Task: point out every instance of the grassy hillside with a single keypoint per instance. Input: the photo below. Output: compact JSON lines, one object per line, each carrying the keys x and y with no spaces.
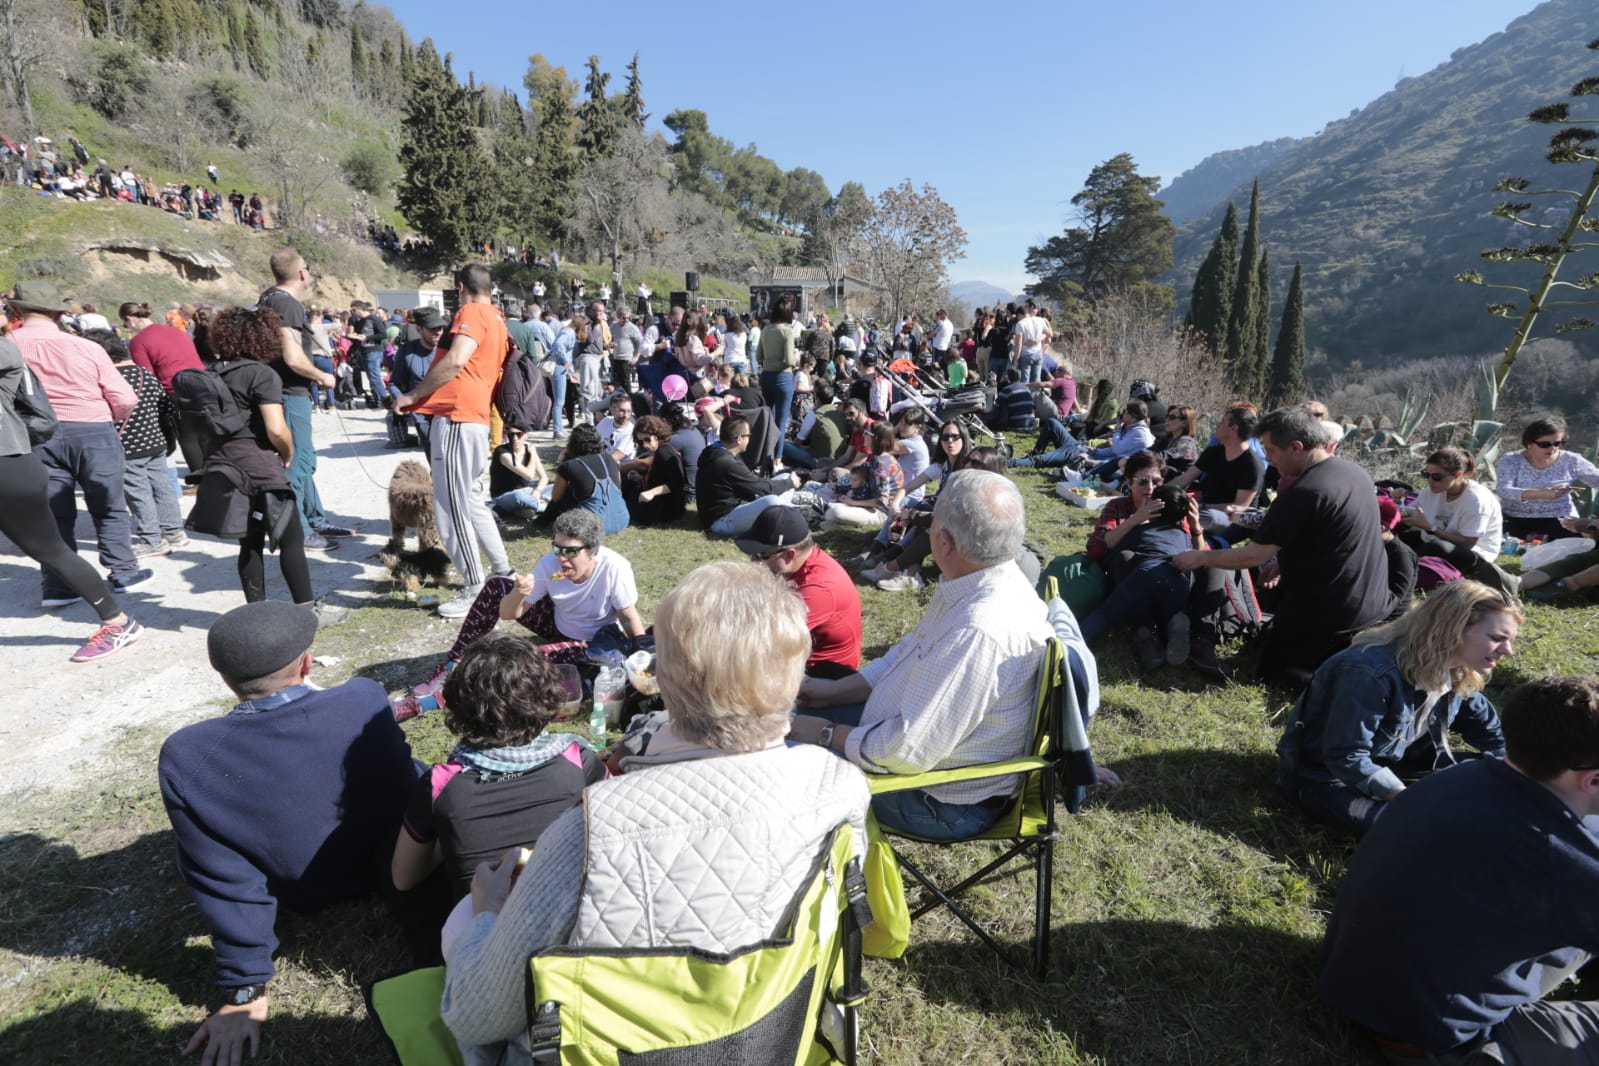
{"x":1386,"y":206}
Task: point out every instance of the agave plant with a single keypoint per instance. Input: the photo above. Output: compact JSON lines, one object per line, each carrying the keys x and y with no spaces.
{"x":1398,"y":437}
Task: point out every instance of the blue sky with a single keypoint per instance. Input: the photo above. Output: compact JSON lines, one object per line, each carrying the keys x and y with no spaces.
{"x":1004,"y":110}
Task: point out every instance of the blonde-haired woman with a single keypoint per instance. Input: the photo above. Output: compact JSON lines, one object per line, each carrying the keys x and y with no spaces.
{"x":1379,"y":712}
{"x":727,"y":811}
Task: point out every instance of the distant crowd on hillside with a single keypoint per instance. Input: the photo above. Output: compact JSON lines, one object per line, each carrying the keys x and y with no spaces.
{"x":73,"y":174}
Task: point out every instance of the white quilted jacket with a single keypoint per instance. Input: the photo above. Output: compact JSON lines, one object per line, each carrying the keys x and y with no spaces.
{"x":709,"y":853}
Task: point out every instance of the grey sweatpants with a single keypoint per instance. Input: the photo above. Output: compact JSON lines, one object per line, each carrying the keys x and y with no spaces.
{"x":459,"y":454}
{"x":152,"y":500}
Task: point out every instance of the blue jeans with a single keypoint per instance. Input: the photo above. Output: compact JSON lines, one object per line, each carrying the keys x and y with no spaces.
{"x":558,"y":387}
{"x":794,"y":455}
{"x":913,"y":810}
{"x":777,"y":389}
{"x":1144,"y":597}
{"x":520,"y":501}
{"x":1031,"y":365}
{"x":373,"y":362}
{"x":302,"y":471}
{"x":740,"y":518}
{"x":88,"y":455}
{"x":152,"y":497}
{"x":1067,"y":447}
{"x":324,"y":364}
{"x":997,"y":365}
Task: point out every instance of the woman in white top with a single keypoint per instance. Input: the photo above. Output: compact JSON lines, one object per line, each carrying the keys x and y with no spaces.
{"x":734,"y":352}
{"x":1457,"y":519}
{"x":1534,"y":484}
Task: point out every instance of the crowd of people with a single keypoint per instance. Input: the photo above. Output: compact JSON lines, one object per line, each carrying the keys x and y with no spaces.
{"x":773,"y":429}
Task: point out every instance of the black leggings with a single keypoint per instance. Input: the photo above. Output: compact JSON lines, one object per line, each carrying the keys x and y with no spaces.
{"x":291,"y":555}
{"x":25,"y":518}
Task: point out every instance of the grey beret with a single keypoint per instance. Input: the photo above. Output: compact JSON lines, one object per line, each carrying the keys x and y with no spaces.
{"x":259,"y":639}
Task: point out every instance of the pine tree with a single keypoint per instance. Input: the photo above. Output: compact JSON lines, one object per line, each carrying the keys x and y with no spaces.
{"x":1288,"y":361}
{"x":633,"y":99}
{"x":1242,"y":316}
{"x":1213,"y":285}
{"x":358,"y":71}
{"x":1261,"y":359}
{"x":406,"y":67}
{"x":598,"y":121}
{"x":441,"y":191}
{"x":556,"y":161}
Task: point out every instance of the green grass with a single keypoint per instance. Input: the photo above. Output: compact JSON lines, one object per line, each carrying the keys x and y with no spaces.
{"x":1188,"y":904}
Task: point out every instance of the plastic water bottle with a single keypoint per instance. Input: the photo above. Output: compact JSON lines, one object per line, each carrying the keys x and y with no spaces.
{"x":597,"y":729}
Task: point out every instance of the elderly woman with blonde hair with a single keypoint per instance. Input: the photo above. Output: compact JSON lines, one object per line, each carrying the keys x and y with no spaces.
{"x":1379,"y":713}
{"x":704,"y":848}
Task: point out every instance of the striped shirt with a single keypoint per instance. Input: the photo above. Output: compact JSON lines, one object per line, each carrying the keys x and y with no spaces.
{"x":960,"y":688}
{"x":1514,"y":475}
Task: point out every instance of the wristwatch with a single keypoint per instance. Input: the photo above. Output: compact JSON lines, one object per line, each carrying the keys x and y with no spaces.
{"x":238,"y":997}
{"x":825,"y":737}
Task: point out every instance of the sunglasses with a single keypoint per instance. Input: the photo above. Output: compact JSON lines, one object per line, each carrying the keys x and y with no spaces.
{"x":1550,"y":443}
{"x":761,"y":557}
{"x":1435,"y":477}
{"x":949,"y":436}
{"x":569,"y":551}
{"x":1148,"y":481}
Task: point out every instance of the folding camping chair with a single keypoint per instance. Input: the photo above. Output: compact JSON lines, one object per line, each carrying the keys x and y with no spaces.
{"x":1059,"y":766}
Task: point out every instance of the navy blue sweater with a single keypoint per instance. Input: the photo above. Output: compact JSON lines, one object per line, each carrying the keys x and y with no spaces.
{"x":290,"y":806}
{"x":1474,"y":886}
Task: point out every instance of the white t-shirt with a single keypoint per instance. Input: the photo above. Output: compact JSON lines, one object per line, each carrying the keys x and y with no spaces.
{"x":942,"y":334}
{"x":1031,"y":331}
{"x":1475,"y":513}
{"x":92,"y":320}
{"x":582,"y":610}
{"x":614,"y":439}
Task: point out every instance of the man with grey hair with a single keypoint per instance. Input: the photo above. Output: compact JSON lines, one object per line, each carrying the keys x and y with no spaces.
{"x":960,"y":688}
{"x":1324,"y":535}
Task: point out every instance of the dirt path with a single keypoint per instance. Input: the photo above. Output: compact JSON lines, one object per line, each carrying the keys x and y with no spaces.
{"x":58,"y":720}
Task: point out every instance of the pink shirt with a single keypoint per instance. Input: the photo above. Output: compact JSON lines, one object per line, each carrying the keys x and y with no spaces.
{"x":76,"y":374}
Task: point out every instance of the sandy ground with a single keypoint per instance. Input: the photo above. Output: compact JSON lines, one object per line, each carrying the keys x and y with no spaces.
{"x":58,"y":718}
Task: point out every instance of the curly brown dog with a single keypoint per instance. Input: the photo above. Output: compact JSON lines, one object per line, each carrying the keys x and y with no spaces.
{"x":411,"y":507}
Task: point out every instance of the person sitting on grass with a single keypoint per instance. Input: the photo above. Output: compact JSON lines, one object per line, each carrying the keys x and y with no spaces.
{"x":290,"y":800}
{"x":901,"y":570}
{"x":1135,"y":539}
{"x":1567,"y":579}
{"x":517,"y":480}
{"x":877,"y":487}
{"x":1376,"y":715}
{"x":729,"y":494}
{"x":507,"y":779}
{"x":1457,"y":519}
{"x":574,"y":593}
{"x":1471,"y":900}
{"x":655,"y":483}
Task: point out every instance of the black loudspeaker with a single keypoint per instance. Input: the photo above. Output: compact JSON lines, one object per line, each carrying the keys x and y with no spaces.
{"x":691,"y":281}
{"x":678,"y":299}
{"x":452,"y":302}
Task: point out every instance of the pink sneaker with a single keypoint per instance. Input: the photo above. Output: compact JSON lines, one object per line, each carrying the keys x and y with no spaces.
{"x":435,"y":680}
{"x":108,"y":640}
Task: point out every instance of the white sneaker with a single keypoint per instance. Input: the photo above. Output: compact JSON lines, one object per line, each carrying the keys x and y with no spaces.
{"x":902,"y":583}
{"x":461,"y":605}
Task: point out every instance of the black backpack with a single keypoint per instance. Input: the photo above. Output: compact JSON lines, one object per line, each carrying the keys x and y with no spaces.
{"x":205,"y":399}
{"x":521,"y":395}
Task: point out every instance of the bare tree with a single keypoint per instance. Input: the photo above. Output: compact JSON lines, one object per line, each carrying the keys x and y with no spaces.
{"x":26,"y":30}
{"x":613,"y":190}
{"x":912,"y":237}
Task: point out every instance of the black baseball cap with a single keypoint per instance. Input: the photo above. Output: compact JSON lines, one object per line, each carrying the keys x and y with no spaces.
{"x":774,"y":528}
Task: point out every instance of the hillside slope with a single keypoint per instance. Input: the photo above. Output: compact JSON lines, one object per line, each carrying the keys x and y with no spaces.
{"x":1220,"y":175}
{"x":1386,"y":206}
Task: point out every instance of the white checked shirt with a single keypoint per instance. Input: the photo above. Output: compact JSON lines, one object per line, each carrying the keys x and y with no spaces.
{"x":959,"y":689}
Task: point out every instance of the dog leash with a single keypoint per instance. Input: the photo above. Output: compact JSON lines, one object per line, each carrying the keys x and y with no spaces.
{"x":349,"y":440}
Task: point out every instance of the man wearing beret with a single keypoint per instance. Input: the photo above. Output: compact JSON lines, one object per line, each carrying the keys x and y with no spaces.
{"x":293,"y":798}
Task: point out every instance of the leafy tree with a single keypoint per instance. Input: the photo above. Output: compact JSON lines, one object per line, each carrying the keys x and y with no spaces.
{"x":912,"y":237}
{"x":804,"y":193}
{"x":118,"y":79}
{"x":440,"y":193}
{"x":597,"y":121}
{"x":358,"y":71}
{"x":633,"y":99}
{"x":153,"y":23}
{"x":1288,"y":361}
{"x":323,"y":13}
{"x":1242,"y":316}
{"x":515,"y":156}
{"x":702,"y":157}
{"x":833,"y":232}
{"x":255,"y":49}
{"x":550,"y":94}
{"x":220,"y":104}
{"x":369,"y":167}
{"x":1121,"y":242}
{"x":1213,"y":285}
{"x":1576,"y":143}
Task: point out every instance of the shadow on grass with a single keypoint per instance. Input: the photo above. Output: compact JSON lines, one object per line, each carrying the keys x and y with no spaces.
{"x":84,"y":1031}
{"x":1136,"y":992}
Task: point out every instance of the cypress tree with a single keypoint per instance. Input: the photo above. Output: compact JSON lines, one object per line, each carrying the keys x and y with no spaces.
{"x":598,"y":121}
{"x":357,"y":56}
{"x":557,"y":163}
{"x":405,"y":63}
{"x":1213,"y":285}
{"x":444,"y":164}
{"x":1260,"y":358}
{"x":1288,"y":361}
{"x":633,"y":99}
{"x":1242,"y":316}
{"x":255,"y":49}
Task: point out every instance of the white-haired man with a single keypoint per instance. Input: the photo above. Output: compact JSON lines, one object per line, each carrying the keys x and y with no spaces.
{"x":959,"y":689}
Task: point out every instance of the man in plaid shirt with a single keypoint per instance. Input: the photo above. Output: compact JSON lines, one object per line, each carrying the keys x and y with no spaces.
{"x":959,"y":689}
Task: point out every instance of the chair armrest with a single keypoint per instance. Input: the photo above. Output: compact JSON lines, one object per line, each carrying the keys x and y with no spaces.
{"x":879,"y":783}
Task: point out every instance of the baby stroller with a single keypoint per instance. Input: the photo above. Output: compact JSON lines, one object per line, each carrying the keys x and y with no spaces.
{"x":344,"y":387}
{"x":964,"y":406}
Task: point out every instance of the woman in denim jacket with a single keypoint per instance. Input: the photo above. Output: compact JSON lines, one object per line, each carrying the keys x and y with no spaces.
{"x":1378,"y":714}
